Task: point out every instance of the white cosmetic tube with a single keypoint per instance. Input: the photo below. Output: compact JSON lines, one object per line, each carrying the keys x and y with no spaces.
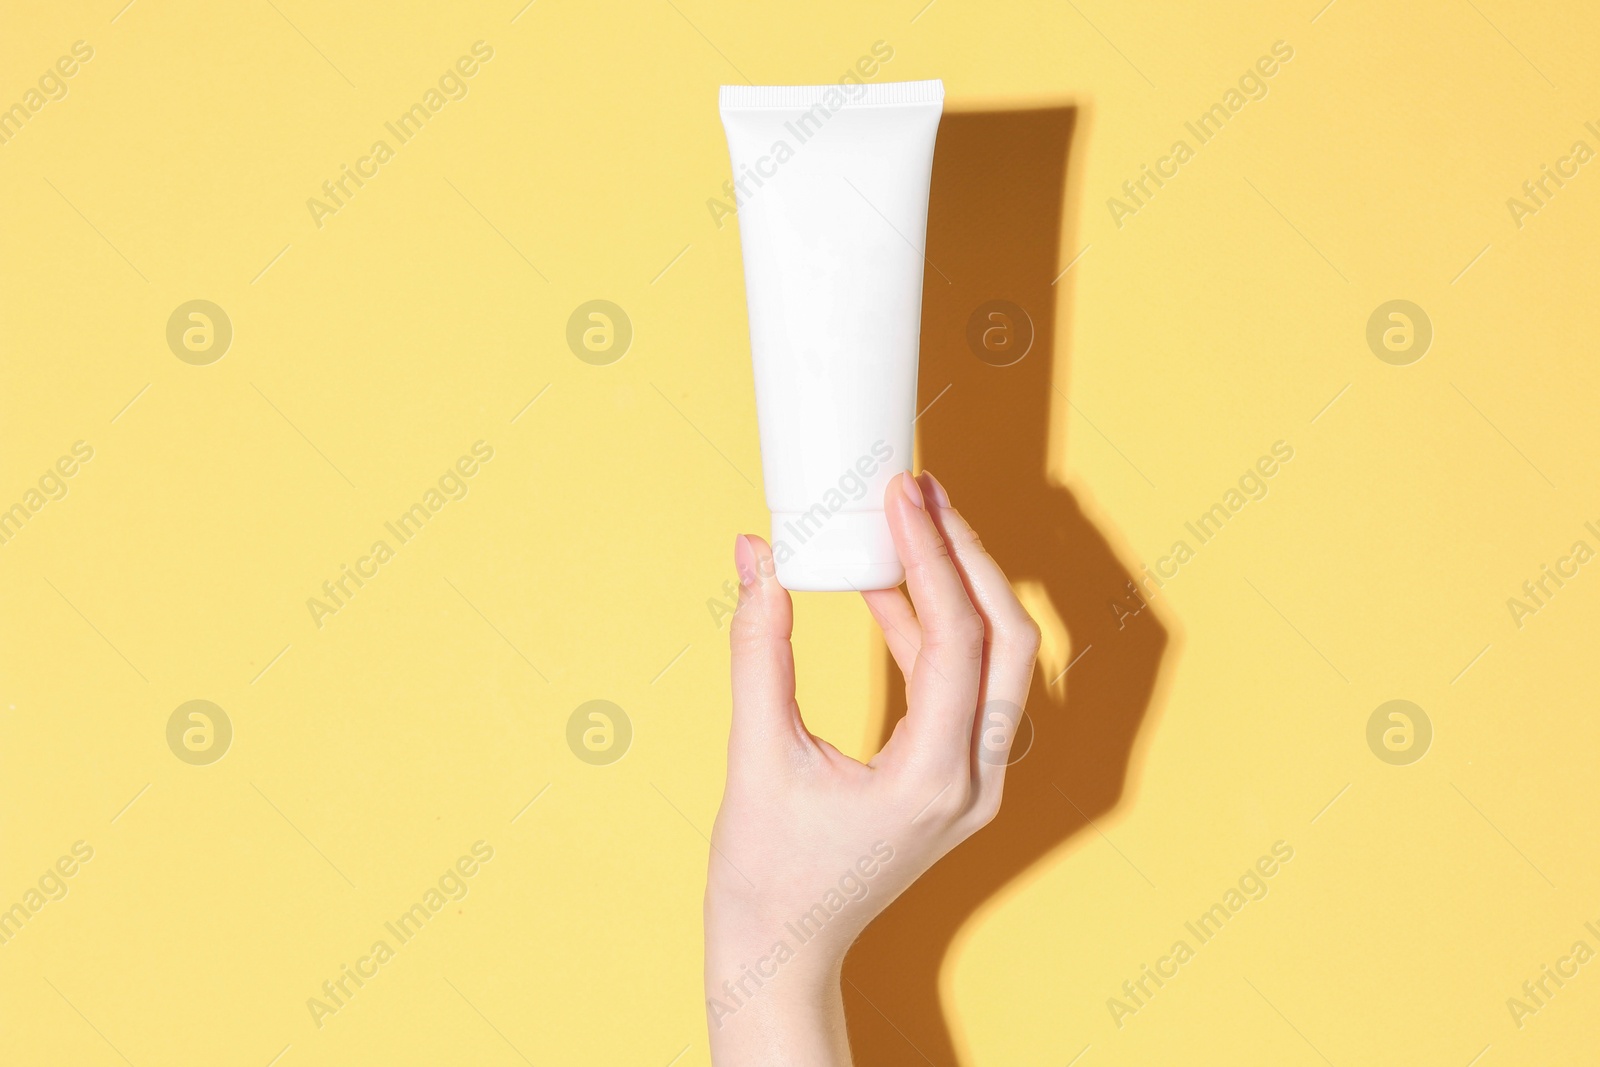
{"x":832,"y":185}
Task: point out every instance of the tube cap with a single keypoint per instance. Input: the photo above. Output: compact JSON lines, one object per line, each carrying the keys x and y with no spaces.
{"x":835,"y":552}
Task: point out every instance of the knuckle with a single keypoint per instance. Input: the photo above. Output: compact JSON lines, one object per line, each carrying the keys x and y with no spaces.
{"x":960,"y":638}
{"x":968,"y":633}
{"x":1028,"y":636}
{"x":743,"y":624}
{"x":984,"y":809}
{"x":952,"y":800}
{"x":966,"y":536}
{"x":934,"y":553}
{"x":749,"y":627}
{"x":1017,"y":637}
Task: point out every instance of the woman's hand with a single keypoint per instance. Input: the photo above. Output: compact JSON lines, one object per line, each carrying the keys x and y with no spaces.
{"x":810,"y":845}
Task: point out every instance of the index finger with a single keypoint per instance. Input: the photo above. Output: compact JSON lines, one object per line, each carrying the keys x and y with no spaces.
{"x":942,"y":694}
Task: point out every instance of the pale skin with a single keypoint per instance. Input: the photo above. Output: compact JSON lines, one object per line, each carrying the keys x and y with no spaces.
{"x":811,"y":845}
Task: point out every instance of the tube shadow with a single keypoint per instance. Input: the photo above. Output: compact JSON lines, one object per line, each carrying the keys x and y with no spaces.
{"x":996,"y":226}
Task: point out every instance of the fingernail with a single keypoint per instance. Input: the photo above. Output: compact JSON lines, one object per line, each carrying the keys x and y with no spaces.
{"x":935,"y":489}
{"x":913,"y":491}
{"x":744,"y":559}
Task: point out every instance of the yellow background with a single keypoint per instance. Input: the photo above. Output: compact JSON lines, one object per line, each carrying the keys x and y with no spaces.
{"x":370,"y":353}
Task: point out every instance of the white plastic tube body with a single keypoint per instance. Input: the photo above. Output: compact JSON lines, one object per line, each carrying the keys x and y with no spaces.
{"x":833,"y":213}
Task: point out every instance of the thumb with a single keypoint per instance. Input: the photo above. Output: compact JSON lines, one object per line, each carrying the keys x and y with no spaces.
{"x":765,"y":715}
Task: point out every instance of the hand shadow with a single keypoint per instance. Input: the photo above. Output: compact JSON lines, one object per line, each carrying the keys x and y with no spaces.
{"x":995,"y":232}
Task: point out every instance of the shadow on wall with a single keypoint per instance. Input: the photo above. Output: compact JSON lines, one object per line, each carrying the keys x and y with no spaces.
{"x":995,"y":232}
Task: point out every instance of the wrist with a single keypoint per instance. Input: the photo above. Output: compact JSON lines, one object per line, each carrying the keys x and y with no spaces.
{"x":751,"y":956}
{"x":767,"y":1006}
